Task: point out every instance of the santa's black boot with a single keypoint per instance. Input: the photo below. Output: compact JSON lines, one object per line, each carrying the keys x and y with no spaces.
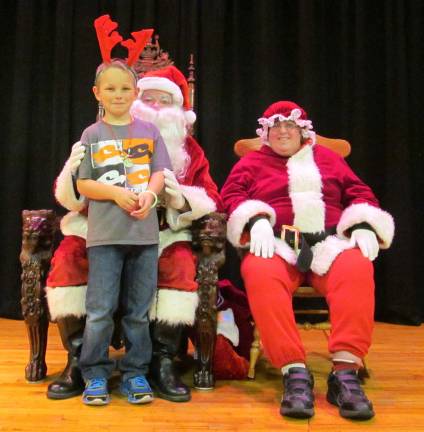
{"x":70,"y":382}
{"x":163,"y":377}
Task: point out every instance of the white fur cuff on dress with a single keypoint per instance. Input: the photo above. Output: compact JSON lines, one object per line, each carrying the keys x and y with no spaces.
{"x":381,"y":222}
{"x":241,"y":215}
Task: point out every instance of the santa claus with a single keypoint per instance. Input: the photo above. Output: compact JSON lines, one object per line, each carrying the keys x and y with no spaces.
{"x":190,"y":193}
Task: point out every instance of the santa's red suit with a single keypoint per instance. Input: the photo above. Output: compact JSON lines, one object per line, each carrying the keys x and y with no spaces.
{"x":66,"y":284}
{"x":313,"y":190}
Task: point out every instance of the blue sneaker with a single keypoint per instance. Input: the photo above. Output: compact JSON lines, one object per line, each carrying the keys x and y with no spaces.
{"x":96,"y":392}
{"x":137,"y":390}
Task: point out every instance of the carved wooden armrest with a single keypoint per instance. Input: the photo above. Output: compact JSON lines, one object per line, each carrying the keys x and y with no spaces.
{"x":38,"y":231}
{"x":209,"y":235}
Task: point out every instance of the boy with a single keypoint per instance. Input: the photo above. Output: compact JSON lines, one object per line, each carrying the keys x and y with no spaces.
{"x":121,"y":176}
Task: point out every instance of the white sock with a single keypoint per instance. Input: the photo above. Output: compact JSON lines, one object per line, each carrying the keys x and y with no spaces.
{"x":342,"y":360}
{"x":286,"y":368}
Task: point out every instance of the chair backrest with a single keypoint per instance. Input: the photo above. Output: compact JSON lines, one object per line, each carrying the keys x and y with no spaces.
{"x":339,"y":146}
{"x":153,"y":57}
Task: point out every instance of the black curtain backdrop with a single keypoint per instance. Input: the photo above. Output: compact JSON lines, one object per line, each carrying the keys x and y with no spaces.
{"x":356,"y":66}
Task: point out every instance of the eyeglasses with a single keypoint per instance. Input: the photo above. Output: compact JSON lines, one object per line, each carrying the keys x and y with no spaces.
{"x":163,"y":100}
{"x":288,"y":125}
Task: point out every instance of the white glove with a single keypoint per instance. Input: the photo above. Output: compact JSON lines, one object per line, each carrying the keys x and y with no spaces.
{"x":262,"y":241}
{"x":173,"y":189}
{"x":367,"y":242}
{"x":77,"y":155}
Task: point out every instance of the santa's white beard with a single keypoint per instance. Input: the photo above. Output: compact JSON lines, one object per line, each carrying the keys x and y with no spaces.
{"x":172,"y":126}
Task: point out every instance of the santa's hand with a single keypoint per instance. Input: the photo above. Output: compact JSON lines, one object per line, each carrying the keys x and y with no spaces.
{"x":262,"y":241}
{"x":176,"y":198}
{"x":77,"y":155}
{"x":367,"y":242}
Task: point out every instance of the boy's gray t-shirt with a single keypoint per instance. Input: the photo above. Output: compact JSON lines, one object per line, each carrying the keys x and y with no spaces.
{"x":124,"y":156}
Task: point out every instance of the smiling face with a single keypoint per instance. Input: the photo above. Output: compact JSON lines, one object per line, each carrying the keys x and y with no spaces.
{"x":285,"y":138}
{"x":115,"y":89}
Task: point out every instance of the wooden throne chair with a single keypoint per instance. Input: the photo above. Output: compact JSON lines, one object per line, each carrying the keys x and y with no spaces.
{"x":303,"y":294}
{"x":40,"y":228}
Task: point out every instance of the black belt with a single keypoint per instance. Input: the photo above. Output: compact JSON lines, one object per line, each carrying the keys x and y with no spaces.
{"x":302,"y":243}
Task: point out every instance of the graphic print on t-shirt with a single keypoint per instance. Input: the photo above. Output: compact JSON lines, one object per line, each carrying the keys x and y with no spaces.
{"x":124,"y":163}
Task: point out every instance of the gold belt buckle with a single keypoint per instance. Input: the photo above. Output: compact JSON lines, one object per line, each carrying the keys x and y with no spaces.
{"x":296,"y":232}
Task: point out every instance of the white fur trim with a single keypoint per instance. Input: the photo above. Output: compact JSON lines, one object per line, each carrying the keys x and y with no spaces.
{"x":174,"y":306}
{"x":65,"y":192}
{"x":66,"y":301}
{"x":200,"y":202}
{"x":240,"y":217}
{"x":74,"y":223}
{"x":325,"y":252}
{"x":283,"y":250}
{"x":305,"y":189}
{"x":168,"y":237}
{"x":164,"y":84}
{"x":190,"y":116}
{"x":381,"y":222}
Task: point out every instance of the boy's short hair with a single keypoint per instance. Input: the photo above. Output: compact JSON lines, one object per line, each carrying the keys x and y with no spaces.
{"x":115,"y":63}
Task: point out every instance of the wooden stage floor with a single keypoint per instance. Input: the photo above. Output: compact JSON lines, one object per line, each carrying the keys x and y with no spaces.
{"x":396,"y":387}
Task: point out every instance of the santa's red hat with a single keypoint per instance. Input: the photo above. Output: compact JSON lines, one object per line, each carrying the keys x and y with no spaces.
{"x":285,"y":111}
{"x":171,"y":80}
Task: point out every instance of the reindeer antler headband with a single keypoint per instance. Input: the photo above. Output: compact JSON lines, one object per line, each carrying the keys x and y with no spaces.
{"x":108,"y":38}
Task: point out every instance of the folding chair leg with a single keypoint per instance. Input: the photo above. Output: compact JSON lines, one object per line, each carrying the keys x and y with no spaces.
{"x":255,"y":352}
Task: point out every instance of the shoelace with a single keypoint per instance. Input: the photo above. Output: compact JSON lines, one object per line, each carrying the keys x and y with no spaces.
{"x":140,"y":382}
{"x":96,"y":383}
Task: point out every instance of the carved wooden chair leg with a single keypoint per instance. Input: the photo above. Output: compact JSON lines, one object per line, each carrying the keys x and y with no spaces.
{"x":208,"y":242}
{"x":255,"y":352}
{"x":39,"y":227}
{"x":205,"y":327}
{"x":34,"y":310}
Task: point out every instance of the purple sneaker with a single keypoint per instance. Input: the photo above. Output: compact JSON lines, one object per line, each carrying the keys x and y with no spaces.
{"x":298,"y":398}
{"x":345,"y":391}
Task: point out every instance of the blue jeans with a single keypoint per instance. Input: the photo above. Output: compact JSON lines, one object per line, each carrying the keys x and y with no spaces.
{"x":133,"y":268}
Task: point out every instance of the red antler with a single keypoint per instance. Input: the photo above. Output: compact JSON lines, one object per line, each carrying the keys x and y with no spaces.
{"x":135,"y":48}
{"x":107,"y":40}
